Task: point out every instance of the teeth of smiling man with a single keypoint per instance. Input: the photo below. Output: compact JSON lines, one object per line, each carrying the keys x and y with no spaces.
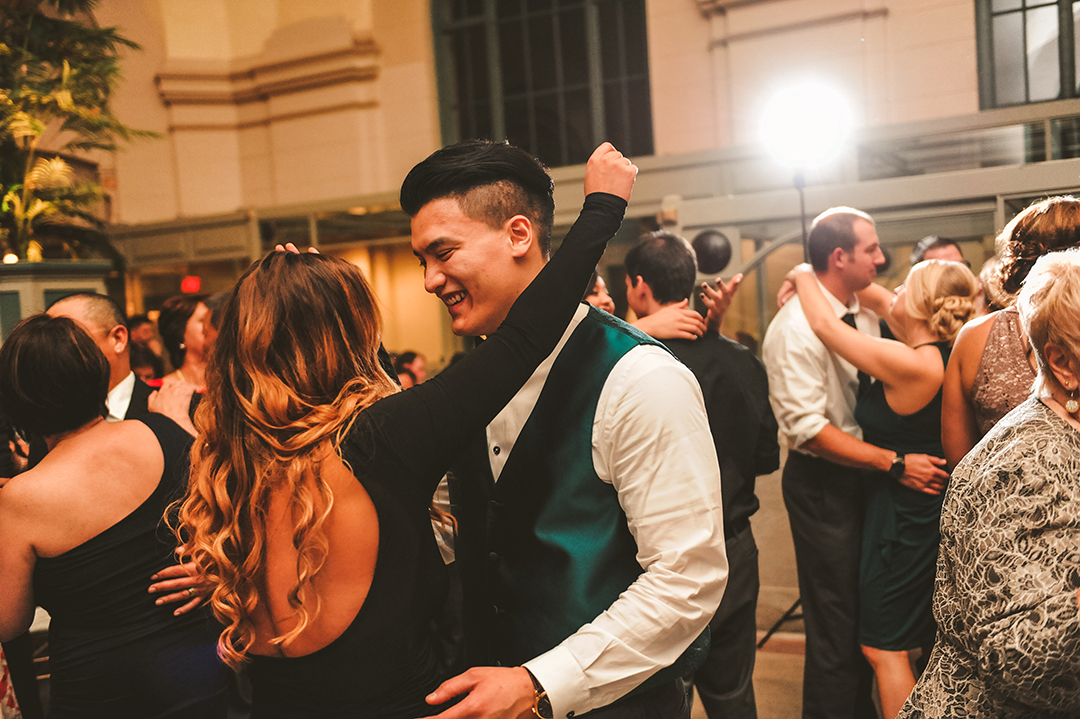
{"x":453,"y":299}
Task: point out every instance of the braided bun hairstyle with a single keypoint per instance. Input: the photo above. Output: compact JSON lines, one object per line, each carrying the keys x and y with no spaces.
{"x":1045,"y":226}
{"x":942,"y":294}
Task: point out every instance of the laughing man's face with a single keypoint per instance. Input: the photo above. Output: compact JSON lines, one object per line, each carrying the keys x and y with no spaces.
{"x":468,"y":264}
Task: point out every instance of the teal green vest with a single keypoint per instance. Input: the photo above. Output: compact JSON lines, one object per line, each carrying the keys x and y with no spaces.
{"x":560,"y":552}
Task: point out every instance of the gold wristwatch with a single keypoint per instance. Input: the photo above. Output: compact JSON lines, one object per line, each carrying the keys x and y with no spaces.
{"x":541,"y":704}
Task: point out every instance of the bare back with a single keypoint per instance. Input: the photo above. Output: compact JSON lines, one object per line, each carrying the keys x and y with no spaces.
{"x":352,"y":530}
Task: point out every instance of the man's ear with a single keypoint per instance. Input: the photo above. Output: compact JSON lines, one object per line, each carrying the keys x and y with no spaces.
{"x":522,"y":235}
{"x":118,"y":339}
{"x":637,"y":289}
{"x":837,"y":258}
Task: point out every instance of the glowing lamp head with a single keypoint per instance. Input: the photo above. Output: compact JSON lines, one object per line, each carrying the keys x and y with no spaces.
{"x":806,"y":124}
{"x":10,"y":258}
{"x":191,"y":284}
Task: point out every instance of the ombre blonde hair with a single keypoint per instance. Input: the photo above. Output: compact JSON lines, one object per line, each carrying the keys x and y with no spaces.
{"x":942,"y":294}
{"x":1049,"y":306}
{"x":295,"y":362}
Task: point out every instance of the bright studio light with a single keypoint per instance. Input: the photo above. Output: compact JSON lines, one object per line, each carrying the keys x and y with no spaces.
{"x":10,"y":258}
{"x":806,"y":124}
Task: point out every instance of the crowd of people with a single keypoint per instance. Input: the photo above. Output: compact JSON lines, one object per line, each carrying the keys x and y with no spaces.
{"x":894,"y":554}
{"x":291,"y":522}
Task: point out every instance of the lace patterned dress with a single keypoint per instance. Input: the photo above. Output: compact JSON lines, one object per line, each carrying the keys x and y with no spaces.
{"x":1004,"y":376}
{"x":1008,"y":570}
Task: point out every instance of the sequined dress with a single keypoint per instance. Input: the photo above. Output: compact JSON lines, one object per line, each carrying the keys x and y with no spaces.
{"x":1004,"y":377}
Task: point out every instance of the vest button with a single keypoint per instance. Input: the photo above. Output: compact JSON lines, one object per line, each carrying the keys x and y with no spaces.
{"x":493,"y":557}
{"x":494,"y":505}
{"x":494,"y":610}
{"x":496,"y":449}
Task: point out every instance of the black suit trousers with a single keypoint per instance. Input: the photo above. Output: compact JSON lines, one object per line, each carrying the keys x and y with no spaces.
{"x":825,"y":507}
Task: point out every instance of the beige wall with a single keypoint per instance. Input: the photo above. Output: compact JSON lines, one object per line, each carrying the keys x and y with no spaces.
{"x":269,"y":102}
{"x":712,"y":70}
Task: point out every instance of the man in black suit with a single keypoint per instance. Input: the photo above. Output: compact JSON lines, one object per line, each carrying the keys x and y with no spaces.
{"x":103,"y":320}
{"x":660,"y":271}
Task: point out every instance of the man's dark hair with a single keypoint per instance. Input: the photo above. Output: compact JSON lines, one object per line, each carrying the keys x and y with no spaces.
{"x":491,"y":181}
{"x":138,"y":321}
{"x":53,"y":378}
{"x":666,"y":262}
{"x":403,"y":359}
{"x":931,"y":242}
{"x":102,"y":310}
{"x":833,"y":229}
{"x":144,"y":357}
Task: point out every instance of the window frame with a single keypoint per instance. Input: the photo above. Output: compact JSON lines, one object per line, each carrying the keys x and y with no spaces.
{"x":443,"y":27}
{"x":984,"y":40}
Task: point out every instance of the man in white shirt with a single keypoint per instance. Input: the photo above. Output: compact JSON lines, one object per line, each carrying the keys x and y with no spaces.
{"x":102,"y":319}
{"x":813,"y":395}
{"x":591,"y":540}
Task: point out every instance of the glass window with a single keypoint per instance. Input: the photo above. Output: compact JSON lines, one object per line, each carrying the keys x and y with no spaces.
{"x":557,"y":77}
{"x":1027,"y":50}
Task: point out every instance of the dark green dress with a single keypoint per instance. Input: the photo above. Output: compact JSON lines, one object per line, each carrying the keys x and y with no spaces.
{"x":901,"y":532}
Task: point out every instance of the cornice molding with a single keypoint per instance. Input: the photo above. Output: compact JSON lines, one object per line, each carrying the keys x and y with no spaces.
{"x":256,"y":80}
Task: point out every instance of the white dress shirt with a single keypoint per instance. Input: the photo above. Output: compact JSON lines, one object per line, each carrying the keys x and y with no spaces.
{"x":651,"y":441}
{"x":119,"y":398}
{"x":809,"y":386}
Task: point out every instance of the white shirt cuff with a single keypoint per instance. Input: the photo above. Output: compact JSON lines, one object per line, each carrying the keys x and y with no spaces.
{"x":562,"y":678}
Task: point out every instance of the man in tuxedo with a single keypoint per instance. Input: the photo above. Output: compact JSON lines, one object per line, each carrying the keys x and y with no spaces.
{"x":590,"y":532}
{"x":660,"y":272}
{"x":103,"y":320}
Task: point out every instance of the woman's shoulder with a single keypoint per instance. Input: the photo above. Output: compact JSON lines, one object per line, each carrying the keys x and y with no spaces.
{"x":972,"y":336}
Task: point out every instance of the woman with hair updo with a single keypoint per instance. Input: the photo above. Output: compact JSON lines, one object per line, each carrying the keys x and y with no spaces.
{"x":82,"y":532}
{"x":1007,"y":602}
{"x":181,"y":326}
{"x":900,"y":409}
{"x":992,"y":366}
{"x":308,"y":514}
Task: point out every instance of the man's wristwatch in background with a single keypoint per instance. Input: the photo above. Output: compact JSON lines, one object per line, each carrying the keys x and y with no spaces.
{"x":541,"y":704}
{"x":897,"y":469}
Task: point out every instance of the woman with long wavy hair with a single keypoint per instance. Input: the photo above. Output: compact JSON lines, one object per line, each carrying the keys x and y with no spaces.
{"x":308,"y":513}
{"x":899,"y":410}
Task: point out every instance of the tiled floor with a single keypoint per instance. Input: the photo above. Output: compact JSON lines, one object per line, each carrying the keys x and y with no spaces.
{"x":777,"y":686}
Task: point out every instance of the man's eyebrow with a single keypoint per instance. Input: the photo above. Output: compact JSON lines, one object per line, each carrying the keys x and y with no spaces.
{"x":432,"y":247}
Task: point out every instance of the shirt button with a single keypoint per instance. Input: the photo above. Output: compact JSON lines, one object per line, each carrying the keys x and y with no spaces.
{"x":496,"y":449}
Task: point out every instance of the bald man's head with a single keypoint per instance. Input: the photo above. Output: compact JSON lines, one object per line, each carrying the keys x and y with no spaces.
{"x":103,"y":320}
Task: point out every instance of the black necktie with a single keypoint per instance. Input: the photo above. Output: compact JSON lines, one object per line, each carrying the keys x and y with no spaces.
{"x":864,"y":379}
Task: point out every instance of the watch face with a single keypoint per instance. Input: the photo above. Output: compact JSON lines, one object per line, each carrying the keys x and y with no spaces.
{"x":543,"y":707}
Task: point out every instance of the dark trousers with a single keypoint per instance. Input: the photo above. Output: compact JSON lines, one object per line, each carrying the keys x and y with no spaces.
{"x":725,"y":681}
{"x":666,"y":701}
{"x":825,"y":507}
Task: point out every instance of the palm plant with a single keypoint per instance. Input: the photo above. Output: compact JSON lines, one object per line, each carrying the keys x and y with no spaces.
{"x":57,"y":71}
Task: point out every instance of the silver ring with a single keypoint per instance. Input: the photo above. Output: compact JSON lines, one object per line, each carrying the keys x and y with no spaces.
{"x":191,"y":591}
